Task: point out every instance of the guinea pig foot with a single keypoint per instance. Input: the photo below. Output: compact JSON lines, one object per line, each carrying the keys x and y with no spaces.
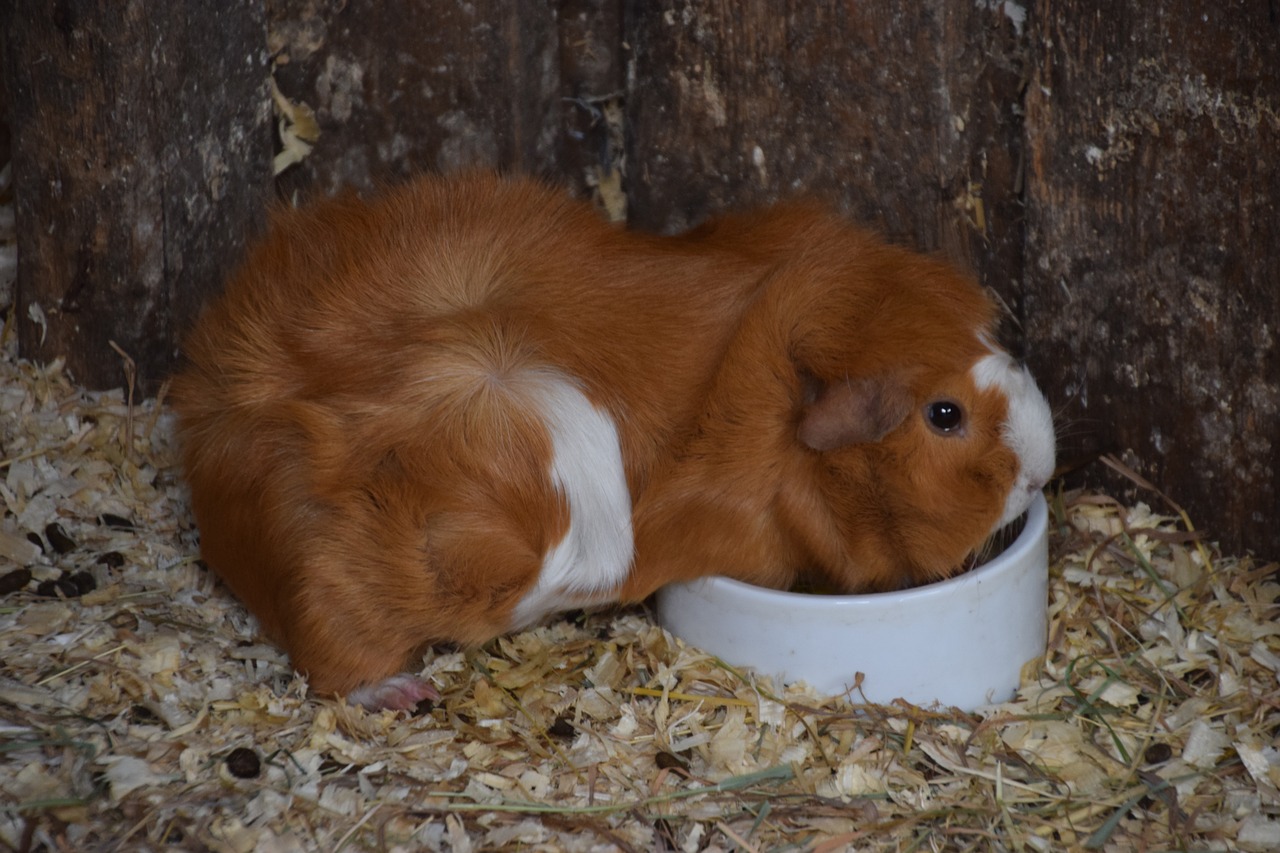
{"x":397,"y":693}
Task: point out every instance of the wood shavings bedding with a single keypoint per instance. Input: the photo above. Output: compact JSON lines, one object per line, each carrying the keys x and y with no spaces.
{"x":141,"y":710}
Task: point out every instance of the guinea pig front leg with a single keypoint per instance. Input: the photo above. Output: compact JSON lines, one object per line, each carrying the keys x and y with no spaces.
{"x":688,"y":526}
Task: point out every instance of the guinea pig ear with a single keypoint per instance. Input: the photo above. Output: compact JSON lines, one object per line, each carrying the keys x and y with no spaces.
{"x":854,"y":411}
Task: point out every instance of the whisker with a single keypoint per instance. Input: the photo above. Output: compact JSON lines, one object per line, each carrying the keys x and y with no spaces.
{"x":997,"y":542}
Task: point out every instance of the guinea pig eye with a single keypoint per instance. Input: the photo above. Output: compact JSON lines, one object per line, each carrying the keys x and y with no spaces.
{"x":944,"y":416}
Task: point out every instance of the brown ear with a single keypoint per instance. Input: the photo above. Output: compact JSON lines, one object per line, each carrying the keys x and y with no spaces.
{"x":853,"y":412}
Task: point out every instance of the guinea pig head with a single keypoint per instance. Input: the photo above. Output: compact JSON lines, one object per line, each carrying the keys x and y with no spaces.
{"x":921,"y":436}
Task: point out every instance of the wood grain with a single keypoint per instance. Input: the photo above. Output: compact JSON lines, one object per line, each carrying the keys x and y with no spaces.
{"x":141,"y":164}
{"x":1153,"y":209}
{"x":405,"y":87}
{"x":902,"y":114}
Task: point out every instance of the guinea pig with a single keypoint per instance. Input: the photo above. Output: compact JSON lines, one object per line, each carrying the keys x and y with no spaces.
{"x":447,"y":412}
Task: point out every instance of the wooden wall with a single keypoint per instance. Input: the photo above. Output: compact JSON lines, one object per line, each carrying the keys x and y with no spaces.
{"x":1110,"y":170}
{"x":136,"y":181}
{"x":1153,"y":245}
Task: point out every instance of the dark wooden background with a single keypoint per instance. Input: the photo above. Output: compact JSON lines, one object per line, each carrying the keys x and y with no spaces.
{"x":1112,"y":171}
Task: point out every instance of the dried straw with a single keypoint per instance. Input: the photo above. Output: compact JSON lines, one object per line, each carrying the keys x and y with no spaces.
{"x":147,"y":712}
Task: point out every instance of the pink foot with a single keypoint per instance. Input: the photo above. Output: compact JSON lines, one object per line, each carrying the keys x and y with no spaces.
{"x":399,"y":693}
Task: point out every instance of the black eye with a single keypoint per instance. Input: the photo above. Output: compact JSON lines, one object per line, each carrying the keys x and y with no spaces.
{"x":944,"y":416}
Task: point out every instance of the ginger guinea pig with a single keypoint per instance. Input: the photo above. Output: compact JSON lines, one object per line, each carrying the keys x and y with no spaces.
{"x":445,"y":413}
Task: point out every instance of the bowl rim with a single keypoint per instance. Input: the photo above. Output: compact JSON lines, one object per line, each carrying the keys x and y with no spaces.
{"x":1010,"y":559}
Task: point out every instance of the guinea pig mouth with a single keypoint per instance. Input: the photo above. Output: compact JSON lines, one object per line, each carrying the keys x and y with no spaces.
{"x":812,"y":582}
{"x":995,"y":544}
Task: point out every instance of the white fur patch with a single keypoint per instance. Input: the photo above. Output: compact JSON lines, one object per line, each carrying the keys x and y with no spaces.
{"x":1028,"y":430}
{"x":595,"y":555}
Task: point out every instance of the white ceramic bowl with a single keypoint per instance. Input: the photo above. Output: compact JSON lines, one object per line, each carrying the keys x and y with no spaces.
{"x":960,"y":642}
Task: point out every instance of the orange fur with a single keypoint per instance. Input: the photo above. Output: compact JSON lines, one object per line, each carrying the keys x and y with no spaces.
{"x":750,"y":500}
{"x":370,"y":476}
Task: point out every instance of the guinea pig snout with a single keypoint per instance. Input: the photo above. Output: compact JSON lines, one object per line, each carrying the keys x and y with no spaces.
{"x":1028,"y":430}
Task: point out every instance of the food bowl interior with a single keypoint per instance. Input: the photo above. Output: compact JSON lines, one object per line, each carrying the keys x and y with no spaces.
{"x":962,"y":641}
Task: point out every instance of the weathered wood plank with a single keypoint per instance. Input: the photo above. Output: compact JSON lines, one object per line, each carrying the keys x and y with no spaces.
{"x":901,"y":113}
{"x":404,"y":87}
{"x":141,"y":161}
{"x":1153,"y":203}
